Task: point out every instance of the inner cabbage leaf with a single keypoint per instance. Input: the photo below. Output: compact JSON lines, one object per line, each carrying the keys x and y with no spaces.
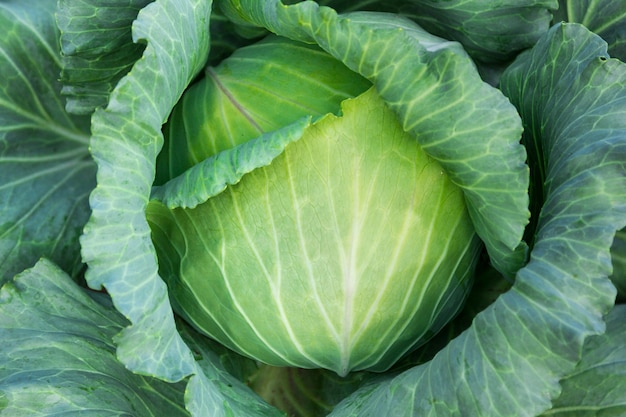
{"x":351,"y":248}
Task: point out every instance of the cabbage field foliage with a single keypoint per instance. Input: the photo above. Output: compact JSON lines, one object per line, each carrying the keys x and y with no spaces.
{"x":312,"y":208}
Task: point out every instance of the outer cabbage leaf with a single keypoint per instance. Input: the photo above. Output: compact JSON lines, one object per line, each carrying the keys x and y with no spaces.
{"x":45,"y":168}
{"x":116,"y":242}
{"x":510,"y":360}
{"x":606,"y":18}
{"x":58,"y":358}
{"x":596,"y":387}
{"x":239,"y":399}
{"x":490,"y":31}
{"x":97,"y":49}
{"x":466,"y":125}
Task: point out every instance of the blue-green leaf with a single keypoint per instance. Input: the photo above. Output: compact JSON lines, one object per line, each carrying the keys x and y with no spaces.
{"x":126,"y":138}
{"x":97,"y":49}
{"x":511,"y":359}
{"x":606,"y":18}
{"x":58,"y":358}
{"x":116,"y":242}
{"x":596,"y":387}
{"x":489,"y":30}
{"x":46,"y":172}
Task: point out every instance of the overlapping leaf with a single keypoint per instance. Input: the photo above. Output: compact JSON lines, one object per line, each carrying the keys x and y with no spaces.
{"x":46,"y":172}
{"x":469,"y":127}
{"x":116,"y":243}
{"x":490,"y":31}
{"x":358,"y":237}
{"x":57,"y":355}
{"x":258,"y":89}
{"x":510,"y":360}
{"x":596,"y":387}
{"x":212,"y":175}
{"x":97,"y":49}
{"x":127,"y":136}
{"x":606,"y":18}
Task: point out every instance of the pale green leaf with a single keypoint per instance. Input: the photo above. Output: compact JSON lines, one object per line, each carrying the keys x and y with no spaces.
{"x":320,"y":238}
{"x":211,"y":176}
{"x":469,"y":127}
{"x":258,"y":89}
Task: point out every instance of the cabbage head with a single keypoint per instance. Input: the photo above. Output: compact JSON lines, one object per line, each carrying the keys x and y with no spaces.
{"x":321,"y":235}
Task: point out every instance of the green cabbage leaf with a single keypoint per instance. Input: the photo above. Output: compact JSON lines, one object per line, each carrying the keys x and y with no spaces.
{"x":606,"y":18}
{"x":97,"y":49}
{"x":58,"y":355}
{"x":595,"y":387}
{"x":433,"y":87}
{"x":46,"y":172}
{"x":535,"y":332}
{"x":338,"y":230}
{"x":546,"y":329}
{"x":126,"y":137}
{"x":489,"y":31}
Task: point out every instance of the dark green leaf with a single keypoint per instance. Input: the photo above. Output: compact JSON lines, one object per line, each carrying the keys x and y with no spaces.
{"x":45,"y":168}
{"x":606,"y":18}
{"x":618,"y":256}
{"x":510,"y":360}
{"x":596,"y":387}
{"x":97,"y":47}
{"x":491,"y":31}
{"x":58,"y":358}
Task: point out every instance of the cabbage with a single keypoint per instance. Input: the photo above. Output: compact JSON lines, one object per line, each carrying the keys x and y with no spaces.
{"x":345,"y":251}
{"x":88,"y":88}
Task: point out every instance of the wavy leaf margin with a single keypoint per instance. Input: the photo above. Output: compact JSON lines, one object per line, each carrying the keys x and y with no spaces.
{"x":126,"y":137}
{"x":510,"y":360}
{"x":469,"y":127}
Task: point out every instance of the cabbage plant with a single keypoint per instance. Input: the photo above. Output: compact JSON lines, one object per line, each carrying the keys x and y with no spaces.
{"x":348,"y":232}
{"x":264,"y":208}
